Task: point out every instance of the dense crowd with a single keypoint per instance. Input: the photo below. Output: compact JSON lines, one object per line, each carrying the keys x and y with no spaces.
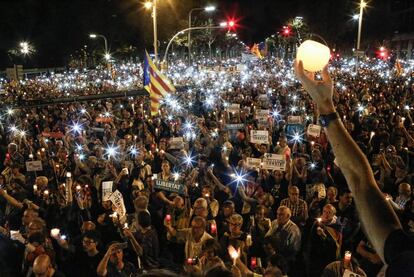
{"x":232,"y":178}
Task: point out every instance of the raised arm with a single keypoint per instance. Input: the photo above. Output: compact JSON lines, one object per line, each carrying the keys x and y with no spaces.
{"x":376,"y":214}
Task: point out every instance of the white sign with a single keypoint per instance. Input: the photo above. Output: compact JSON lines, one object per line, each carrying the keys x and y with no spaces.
{"x":259,"y":136}
{"x":233,"y":108}
{"x":118,"y":201}
{"x":234,"y":126}
{"x":262,"y":116}
{"x":274,"y":162}
{"x":314,"y":130}
{"x":177,"y":143}
{"x":348,"y":273}
{"x":295,"y":119}
{"x":253,"y":162}
{"x":34,"y":166}
{"x":106,"y":190}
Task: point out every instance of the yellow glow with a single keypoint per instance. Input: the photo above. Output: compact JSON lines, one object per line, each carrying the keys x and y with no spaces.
{"x":148,"y":5}
{"x":363,"y":4}
{"x":314,"y":55}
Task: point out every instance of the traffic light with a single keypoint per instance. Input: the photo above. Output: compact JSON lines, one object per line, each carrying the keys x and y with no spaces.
{"x":382,"y":53}
{"x":286,"y":31}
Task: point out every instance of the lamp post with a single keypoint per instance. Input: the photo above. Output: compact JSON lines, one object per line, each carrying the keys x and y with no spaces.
{"x":94,"y":36}
{"x":207,"y":9}
{"x":362,"y":5}
{"x":153,"y":5}
{"x":221,"y":26}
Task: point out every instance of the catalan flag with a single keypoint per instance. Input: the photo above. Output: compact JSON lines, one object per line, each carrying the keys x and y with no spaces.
{"x":398,"y":68}
{"x":255,"y":51}
{"x":155,"y":83}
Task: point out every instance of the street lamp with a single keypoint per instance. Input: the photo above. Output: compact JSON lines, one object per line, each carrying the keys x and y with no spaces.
{"x":206,"y":9}
{"x":148,"y":5}
{"x":94,"y":36}
{"x":362,"y":5}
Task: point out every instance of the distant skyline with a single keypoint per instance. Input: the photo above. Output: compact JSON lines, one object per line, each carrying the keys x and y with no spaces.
{"x":59,"y":28}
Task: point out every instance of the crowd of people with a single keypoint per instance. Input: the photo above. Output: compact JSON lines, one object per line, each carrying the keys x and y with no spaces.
{"x":234,"y":177}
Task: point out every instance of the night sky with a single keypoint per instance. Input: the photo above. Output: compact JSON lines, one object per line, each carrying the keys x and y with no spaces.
{"x":59,"y":28}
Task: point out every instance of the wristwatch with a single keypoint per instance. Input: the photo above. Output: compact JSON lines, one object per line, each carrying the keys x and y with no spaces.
{"x":325,"y":119}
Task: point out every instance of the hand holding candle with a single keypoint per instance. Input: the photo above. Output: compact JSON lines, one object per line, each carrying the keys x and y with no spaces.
{"x":234,"y":254}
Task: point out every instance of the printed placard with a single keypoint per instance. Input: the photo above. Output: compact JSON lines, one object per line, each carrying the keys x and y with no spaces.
{"x":169,"y":186}
{"x":106,"y":190}
{"x":234,"y":126}
{"x":176,"y":143}
{"x":259,"y":136}
{"x":233,"y":108}
{"x":56,"y":135}
{"x":253,"y":162}
{"x":295,"y":119}
{"x":274,"y":162}
{"x":103,"y":119}
{"x":34,"y":166}
{"x":314,"y":130}
{"x":348,"y":273}
{"x":118,"y":201}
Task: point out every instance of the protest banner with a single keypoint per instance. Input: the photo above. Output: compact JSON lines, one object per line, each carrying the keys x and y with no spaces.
{"x":295,"y":119}
{"x":274,"y":162}
{"x":233,"y":108}
{"x":253,"y":162}
{"x":314,"y":130}
{"x":56,"y":135}
{"x":262,"y":116}
{"x":176,"y":143}
{"x":169,"y":186}
{"x":234,"y":126}
{"x":259,"y":136}
{"x":106,"y":190}
{"x":34,"y":166}
{"x":103,"y":119}
{"x":118,"y":201}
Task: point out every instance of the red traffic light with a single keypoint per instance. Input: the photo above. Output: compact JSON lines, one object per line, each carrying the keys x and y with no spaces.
{"x":286,"y":31}
{"x":231,"y":23}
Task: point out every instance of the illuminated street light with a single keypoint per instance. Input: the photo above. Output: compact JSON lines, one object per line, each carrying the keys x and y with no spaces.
{"x":355,"y":16}
{"x":206,"y":9}
{"x":148,"y":5}
{"x":94,"y":36}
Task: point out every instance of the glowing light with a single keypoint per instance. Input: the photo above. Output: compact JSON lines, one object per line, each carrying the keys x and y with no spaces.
{"x":189,"y":160}
{"x":239,"y":177}
{"x":111,"y":151}
{"x":76,"y":128}
{"x":10,"y":111}
{"x":107,"y":56}
{"x":148,"y":5}
{"x":314,"y":55}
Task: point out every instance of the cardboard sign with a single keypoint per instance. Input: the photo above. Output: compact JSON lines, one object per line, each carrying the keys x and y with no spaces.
{"x":56,"y":135}
{"x":106,"y":190}
{"x":233,"y":108}
{"x":253,"y":162}
{"x":234,"y":126}
{"x":314,"y":130}
{"x":295,"y":119}
{"x":103,"y":119}
{"x":118,"y":201}
{"x":262,"y":116}
{"x":169,"y":186}
{"x":177,"y":143}
{"x":34,"y":166}
{"x":348,"y":273}
{"x":259,"y":136}
{"x":274,"y":162}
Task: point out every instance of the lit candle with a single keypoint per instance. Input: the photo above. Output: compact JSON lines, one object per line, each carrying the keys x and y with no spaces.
{"x":249,"y":240}
{"x":46,"y":192}
{"x":314,"y":55}
{"x":213,"y":228}
{"x":54,"y":232}
{"x":234,"y":254}
{"x":68,"y":174}
{"x":319,"y":220}
{"x":168,"y":218}
{"x":35,"y":188}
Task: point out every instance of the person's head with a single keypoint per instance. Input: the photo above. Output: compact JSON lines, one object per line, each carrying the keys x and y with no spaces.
{"x":345,"y":197}
{"x":316,"y":155}
{"x":165,"y":166}
{"x":228,"y":208}
{"x":90,"y":242}
{"x":28,"y":216}
{"x":331,"y":193}
{"x":278,"y":175}
{"x":12,"y":148}
{"x":141,"y":203}
{"x":42,"y":266}
{"x":276,"y":267}
{"x":36,"y":225}
{"x":207,"y":192}
{"x":200,"y":207}
{"x":282,"y":141}
{"x":41,"y":182}
{"x":202,"y":162}
{"x":88,"y":226}
{"x":117,"y":254}
{"x":235,"y":224}
{"x":293,"y":193}
{"x":179,"y":202}
{"x":15,"y":169}
{"x":144,"y":219}
{"x":328,"y":213}
{"x":198,"y":225}
{"x":404,"y":189}
{"x":283,"y":215}
{"x":268,"y":246}
{"x":261,"y":212}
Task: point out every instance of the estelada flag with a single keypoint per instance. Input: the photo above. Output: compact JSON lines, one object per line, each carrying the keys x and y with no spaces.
{"x":155,"y":83}
{"x":398,"y":67}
